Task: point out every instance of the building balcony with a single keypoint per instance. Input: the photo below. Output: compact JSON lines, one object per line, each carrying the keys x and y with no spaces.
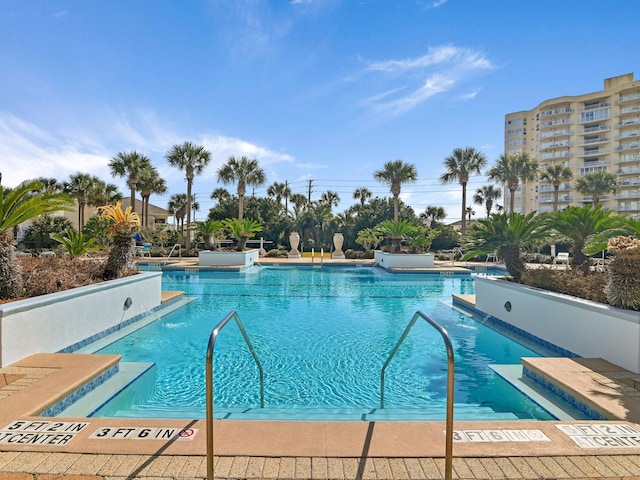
{"x":554,"y":123}
{"x":595,"y":152}
{"x":629,"y":158}
{"x":550,"y":155}
{"x":549,"y":145}
{"x":597,"y":128}
{"x":630,"y":133}
{"x":627,"y":208}
{"x":628,"y":98}
{"x":591,"y":141}
{"x":629,"y":110}
{"x":628,"y":195}
{"x":628,"y":146}
{"x":628,"y":171}
{"x":563,"y":133}
{"x":554,"y":112}
{"x":593,"y":106}
{"x":629,"y":122}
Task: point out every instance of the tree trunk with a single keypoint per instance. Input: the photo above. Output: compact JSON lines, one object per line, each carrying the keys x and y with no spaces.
{"x":513,"y":261}
{"x":119,"y":257}
{"x":10,"y":270}
{"x":242,"y":241}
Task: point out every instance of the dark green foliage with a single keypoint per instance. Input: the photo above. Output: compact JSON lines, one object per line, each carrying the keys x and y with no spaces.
{"x":37,"y":235}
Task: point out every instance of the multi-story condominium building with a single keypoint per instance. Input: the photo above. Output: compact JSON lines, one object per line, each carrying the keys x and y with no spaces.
{"x":587,"y":133}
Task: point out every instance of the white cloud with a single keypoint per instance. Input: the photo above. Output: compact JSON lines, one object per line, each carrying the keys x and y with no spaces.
{"x":468,"y":96}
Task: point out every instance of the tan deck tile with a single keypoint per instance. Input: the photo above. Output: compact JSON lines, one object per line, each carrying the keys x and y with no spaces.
{"x":202,"y":469}
{"x":64,"y":461}
{"x":87,"y":465}
{"x":319,"y":468}
{"x":335,"y":469}
{"x":155,"y":467}
{"x":128,"y":466}
{"x":538,"y":467}
{"x":414,"y":469}
{"x":521,"y":465}
{"x":350,"y":466}
{"x":508,"y":468}
{"x":576,"y":466}
{"x":16,"y":476}
{"x":598,"y":465}
{"x":398,"y":469}
{"x":6,"y":457}
{"x":366,"y":469}
{"x":112,"y":463}
{"x":430,"y":468}
{"x":191,"y":466}
{"x":45,"y":466}
{"x":67,"y":477}
{"x":287,"y":467}
{"x":477,"y":468}
{"x":556,"y":470}
{"x":175,"y":466}
{"x":271,"y":467}
{"x":222,"y":467}
{"x":440,"y":464}
{"x":303,"y":467}
{"x":383,"y":469}
{"x":255,"y":467}
{"x":461,"y":469}
{"x":28,"y":461}
{"x":622,"y":465}
{"x":239,"y":467}
{"x":492,"y":468}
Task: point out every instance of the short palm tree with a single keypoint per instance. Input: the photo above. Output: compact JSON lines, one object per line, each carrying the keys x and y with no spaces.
{"x":18,"y":205}
{"x":556,"y":174}
{"x":486,"y":196}
{"x":363,"y":194}
{"x":396,"y":231}
{"x":131,"y":165}
{"x":74,"y":243}
{"x":507,"y":234}
{"x":395,"y":173}
{"x":597,"y":184}
{"x":245,"y":172}
{"x":462,"y":163}
{"x":582,"y":226}
{"x":125,"y":224}
{"x":433,"y":215}
{"x":510,"y":170}
{"x":210,"y":230}
{"x":192,"y":159}
{"x":242,"y":230}
{"x":81,"y":187}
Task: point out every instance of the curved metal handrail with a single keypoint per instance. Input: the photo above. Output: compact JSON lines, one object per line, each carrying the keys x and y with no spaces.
{"x":209,"y":380}
{"x":172,"y":249}
{"x":450,"y":374}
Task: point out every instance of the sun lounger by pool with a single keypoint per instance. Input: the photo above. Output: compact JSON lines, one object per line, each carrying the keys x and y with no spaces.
{"x":562,"y":257}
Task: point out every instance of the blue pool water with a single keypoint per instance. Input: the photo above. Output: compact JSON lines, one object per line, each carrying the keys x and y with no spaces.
{"x":322,"y":335}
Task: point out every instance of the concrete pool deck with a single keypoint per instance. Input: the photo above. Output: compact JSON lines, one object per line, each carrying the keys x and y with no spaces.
{"x":33,"y":447}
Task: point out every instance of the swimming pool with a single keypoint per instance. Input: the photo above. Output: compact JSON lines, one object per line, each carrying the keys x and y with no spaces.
{"x":322,"y":335}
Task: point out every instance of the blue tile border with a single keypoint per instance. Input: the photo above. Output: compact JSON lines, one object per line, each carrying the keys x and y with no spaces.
{"x":83,"y":343}
{"x":564,"y":396}
{"x":81,"y":392}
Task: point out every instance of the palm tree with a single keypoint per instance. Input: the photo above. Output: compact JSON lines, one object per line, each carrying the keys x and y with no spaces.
{"x":222,"y":195}
{"x":470,"y":212}
{"x":279,"y":191}
{"x":50,"y":185}
{"x":581,"y":225}
{"x":244,"y":172}
{"x":486,"y":195}
{"x":507,"y":234}
{"x":555,"y":175}
{"x":81,"y":187}
{"x":395,"y":231}
{"x":320,"y":215}
{"x":362,"y":194}
{"x":177,"y":207}
{"x":510,"y":170}
{"x":299,"y":200}
{"x":395,"y":173}
{"x":18,"y":205}
{"x":433,"y":215}
{"x":149,"y":183}
{"x":192,"y":159}
{"x":462,"y":163}
{"x":131,"y":165}
{"x":104,"y":194}
{"x":242,"y":230}
{"x":597,"y":184}
{"x":125,"y":224}
{"x":331,"y":198}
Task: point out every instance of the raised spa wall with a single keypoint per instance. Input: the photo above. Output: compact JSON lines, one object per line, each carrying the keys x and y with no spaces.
{"x":64,"y":320}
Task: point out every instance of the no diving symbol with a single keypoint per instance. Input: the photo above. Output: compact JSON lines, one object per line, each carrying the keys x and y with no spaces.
{"x":187,"y":434}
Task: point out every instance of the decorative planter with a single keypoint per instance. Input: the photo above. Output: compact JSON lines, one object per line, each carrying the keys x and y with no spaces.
{"x":54,"y":322}
{"x":585,"y":328}
{"x":294,"y":241}
{"x":208,"y":258}
{"x":338,"y":241}
{"x":404,"y":260}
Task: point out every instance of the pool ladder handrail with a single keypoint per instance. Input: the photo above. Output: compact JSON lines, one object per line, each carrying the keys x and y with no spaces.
{"x":209,"y":379}
{"x":450,"y":373}
{"x":172,"y":249}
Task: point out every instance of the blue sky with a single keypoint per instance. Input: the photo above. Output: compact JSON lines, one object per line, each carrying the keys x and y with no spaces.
{"x":321,"y":90}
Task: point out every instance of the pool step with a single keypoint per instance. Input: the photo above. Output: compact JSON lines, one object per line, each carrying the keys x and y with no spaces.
{"x":461,"y":412}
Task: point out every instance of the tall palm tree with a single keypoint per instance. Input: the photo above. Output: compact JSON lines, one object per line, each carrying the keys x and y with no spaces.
{"x":462,"y":163}
{"x":131,"y":165}
{"x":363,"y":194}
{"x":279,"y":191}
{"x":556,"y":174}
{"x":104,"y":193}
{"x":177,"y":207}
{"x":299,"y":200}
{"x":510,"y":170}
{"x":331,"y":198}
{"x":18,"y":205}
{"x":81,"y":187}
{"x":433,"y":215}
{"x":486,"y":195}
{"x":395,"y":173}
{"x":470,"y":212}
{"x":50,"y":185}
{"x":222,"y":195}
{"x":192,"y":159}
{"x":149,"y":183}
{"x":597,"y":184}
{"x":245,"y":172}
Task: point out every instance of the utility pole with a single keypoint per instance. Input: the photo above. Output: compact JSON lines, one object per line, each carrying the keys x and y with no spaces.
{"x":286,"y":196}
{"x":310,"y":190}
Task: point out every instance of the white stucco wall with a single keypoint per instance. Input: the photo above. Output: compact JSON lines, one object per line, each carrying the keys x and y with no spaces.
{"x":588,"y":329}
{"x":228,"y":259}
{"x":404,"y":260}
{"x":50,"y":323}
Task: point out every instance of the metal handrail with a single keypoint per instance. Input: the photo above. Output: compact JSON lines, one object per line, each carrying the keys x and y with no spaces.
{"x":173,"y":248}
{"x":450,"y":372}
{"x":209,"y":380}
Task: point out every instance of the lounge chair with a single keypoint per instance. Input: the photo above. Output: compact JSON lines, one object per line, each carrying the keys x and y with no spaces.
{"x":145,"y":249}
{"x":562,"y":257}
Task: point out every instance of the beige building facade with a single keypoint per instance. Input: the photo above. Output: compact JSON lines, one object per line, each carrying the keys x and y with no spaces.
{"x":587,"y":133}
